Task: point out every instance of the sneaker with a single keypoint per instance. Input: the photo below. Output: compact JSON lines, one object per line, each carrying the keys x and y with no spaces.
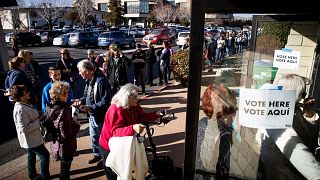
{"x":94,"y":159}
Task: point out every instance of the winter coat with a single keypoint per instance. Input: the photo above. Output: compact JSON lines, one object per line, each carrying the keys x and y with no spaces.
{"x":151,"y":55}
{"x":117,"y":72}
{"x":26,"y":119}
{"x":139,"y":54}
{"x":19,"y":77}
{"x":68,"y":64}
{"x":288,"y":153}
{"x":100,"y":98}
{"x":66,"y":145}
{"x":119,"y":122}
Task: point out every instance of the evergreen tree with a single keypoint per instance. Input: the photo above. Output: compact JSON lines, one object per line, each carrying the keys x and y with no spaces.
{"x":116,"y":12}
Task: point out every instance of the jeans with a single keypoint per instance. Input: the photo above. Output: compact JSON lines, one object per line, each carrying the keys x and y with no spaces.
{"x":43,"y":153}
{"x":108,"y":171}
{"x":65,"y":165}
{"x":94,"y":131}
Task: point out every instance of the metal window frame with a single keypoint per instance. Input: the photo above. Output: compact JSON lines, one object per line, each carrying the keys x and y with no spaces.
{"x":198,"y":10}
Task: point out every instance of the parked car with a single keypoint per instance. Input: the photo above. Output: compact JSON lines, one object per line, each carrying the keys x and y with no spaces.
{"x":47,"y":37}
{"x":84,"y":39}
{"x":182,"y":38}
{"x":118,"y":37}
{"x":26,"y":38}
{"x":157,"y":36}
{"x":62,"y":40}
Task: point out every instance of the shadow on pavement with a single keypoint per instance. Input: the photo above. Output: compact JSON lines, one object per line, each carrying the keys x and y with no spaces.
{"x":99,"y":172}
{"x":166,"y":100}
{"x":84,"y":151}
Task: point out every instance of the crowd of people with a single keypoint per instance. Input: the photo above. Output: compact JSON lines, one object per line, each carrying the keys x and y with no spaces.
{"x":109,"y":100}
{"x":225,"y":45}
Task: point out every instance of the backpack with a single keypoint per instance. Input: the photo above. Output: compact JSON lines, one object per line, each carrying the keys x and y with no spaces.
{"x":49,"y":132}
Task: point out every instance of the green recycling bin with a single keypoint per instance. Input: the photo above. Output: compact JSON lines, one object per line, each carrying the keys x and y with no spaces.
{"x":263,"y":72}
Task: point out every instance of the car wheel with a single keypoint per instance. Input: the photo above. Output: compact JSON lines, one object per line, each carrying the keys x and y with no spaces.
{"x":86,"y":45}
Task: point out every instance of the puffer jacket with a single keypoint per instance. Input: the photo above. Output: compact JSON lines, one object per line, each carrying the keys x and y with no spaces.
{"x":66,"y":145}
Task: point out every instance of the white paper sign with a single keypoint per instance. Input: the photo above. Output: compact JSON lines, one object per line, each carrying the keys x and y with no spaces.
{"x":286,"y":59}
{"x":271,"y":109}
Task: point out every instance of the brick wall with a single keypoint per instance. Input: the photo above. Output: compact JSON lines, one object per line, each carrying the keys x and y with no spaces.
{"x":302,"y":38}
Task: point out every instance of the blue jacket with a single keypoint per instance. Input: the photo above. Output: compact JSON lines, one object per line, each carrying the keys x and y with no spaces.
{"x":101,"y":97}
{"x":46,"y":97}
{"x":18,"y":77}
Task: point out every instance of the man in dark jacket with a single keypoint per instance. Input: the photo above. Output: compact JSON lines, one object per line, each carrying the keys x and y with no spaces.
{"x":116,"y":69}
{"x":95,"y":101}
{"x":164,"y":63}
{"x":151,"y":58}
{"x":139,"y":61}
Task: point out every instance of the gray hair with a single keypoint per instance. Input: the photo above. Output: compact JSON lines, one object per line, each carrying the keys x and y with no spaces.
{"x":121,"y":98}
{"x":85,"y":65}
{"x":58,"y":89}
{"x":293,"y":82}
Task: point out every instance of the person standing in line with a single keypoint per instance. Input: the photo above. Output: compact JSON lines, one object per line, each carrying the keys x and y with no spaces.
{"x":115,"y":68}
{"x":17,"y":76}
{"x":30,"y":71}
{"x":138,"y":60}
{"x":65,"y":146}
{"x":123,"y":118}
{"x":26,"y":119}
{"x":95,"y":102}
{"x":15,"y":45}
{"x":68,"y":67}
{"x":55,"y":75}
{"x":165,"y":62}
{"x":171,"y":54}
{"x":151,"y":58}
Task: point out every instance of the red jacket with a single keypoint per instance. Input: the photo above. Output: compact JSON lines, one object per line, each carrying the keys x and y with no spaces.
{"x":119,"y":122}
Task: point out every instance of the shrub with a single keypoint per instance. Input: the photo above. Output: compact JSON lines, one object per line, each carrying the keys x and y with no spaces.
{"x":180,"y":66}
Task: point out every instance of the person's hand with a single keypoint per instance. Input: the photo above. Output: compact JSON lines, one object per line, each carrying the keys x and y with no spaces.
{"x":138,"y":128}
{"x":308,"y":102}
{"x":85,"y":108}
{"x":6,"y":92}
{"x":76,"y":102}
{"x":161,"y":112}
{"x":307,"y":108}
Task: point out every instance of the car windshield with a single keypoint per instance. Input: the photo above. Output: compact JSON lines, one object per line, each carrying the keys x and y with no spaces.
{"x":155,"y":31}
{"x":104,"y":35}
{"x":184,"y":34}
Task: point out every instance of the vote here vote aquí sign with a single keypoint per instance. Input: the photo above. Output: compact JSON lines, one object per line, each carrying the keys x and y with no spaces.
{"x":286,"y":59}
{"x":270,"y":109}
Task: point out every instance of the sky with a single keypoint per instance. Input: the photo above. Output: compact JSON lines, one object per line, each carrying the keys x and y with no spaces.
{"x":29,"y":2}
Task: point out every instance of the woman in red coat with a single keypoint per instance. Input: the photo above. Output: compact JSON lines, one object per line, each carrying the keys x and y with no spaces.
{"x":123,"y":118}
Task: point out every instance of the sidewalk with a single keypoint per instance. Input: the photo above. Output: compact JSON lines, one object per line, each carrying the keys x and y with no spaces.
{"x":169,"y":139}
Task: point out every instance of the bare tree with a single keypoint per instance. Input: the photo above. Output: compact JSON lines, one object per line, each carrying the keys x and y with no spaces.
{"x":49,"y":10}
{"x":165,"y":12}
{"x":184,"y":13}
{"x":84,"y":9}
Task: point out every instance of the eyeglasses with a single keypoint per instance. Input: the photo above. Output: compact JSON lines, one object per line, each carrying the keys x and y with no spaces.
{"x":63,"y":53}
